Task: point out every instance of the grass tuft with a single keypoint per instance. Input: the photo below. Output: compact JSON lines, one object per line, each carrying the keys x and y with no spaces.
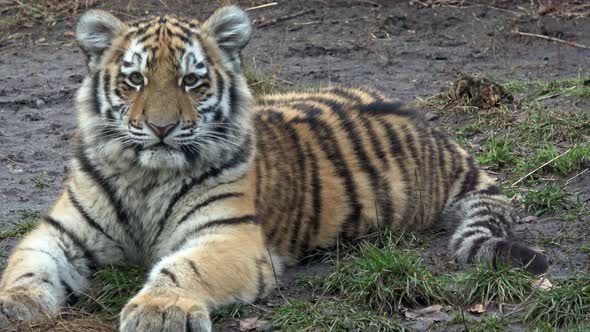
{"x":497,"y":153}
{"x":41,"y":181}
{"x":384,"y":278}
{"x":28,"y":221}
{"x":261,"y":83}
{"x":486,"y":284}
{"x":112,"y":288}
{"x":565,"y":305}
{"x":539,"y":90}
{"x":329,"y":315}
{"x":550,"y":198}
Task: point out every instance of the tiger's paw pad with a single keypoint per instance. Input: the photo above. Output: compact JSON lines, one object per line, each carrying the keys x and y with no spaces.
{"x":149,"y":317}
{"x":19,"y":306}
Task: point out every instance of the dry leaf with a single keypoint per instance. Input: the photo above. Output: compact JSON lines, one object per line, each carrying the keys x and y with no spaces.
{"x":477,"y":308}
{"x":543,"y":283}
{"x":248,"y":324}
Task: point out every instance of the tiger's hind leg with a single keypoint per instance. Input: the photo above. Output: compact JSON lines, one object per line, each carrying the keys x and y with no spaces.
{"x":482,"y":221}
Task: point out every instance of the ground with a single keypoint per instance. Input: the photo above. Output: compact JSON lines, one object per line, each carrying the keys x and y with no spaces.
{"x":413,"y":51}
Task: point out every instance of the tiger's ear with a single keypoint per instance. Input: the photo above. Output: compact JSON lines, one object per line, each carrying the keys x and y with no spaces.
{"x":95,"y":33}
{"x":231,"y":28}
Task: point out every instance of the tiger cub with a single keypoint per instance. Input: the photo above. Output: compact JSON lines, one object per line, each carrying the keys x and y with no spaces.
{"x":176,"y":168}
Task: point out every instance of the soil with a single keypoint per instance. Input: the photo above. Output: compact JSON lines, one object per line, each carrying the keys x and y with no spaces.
{"x":405,"y":49}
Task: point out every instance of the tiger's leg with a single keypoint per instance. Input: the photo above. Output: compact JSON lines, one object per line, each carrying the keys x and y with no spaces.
{"x":221,"y":262}
{"x":53,"y":263}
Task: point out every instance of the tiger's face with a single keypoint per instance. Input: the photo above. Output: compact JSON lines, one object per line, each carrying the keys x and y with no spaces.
{"x":169,"y":89}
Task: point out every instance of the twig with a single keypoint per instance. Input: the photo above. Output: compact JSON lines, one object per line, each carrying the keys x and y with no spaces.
{"x":575,"y":176}
{"x":262,"y":6}
{"x":553,"y":95}
{"x":538,"y":168}
{"x":553,"y":39}
{"x":285,"y":18}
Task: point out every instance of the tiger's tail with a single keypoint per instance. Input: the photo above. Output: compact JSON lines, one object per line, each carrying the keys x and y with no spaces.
{"x":482,"y":222}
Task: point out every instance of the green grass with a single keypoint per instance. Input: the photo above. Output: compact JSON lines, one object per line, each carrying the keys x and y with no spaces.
{"x":329,"y":315}
{"x":41,"y":181}
{"x":28,"y":221}
{"x":562,"y":164}
{"x":231,"y":311}
{"x":112,"y":288}
{"x":550,"y":198}
{"x":385,"y":278}
{"x":565,"y":305}
{"x":540,"y":89}
{"x":486,"y":284}
{"x":497,"y":153}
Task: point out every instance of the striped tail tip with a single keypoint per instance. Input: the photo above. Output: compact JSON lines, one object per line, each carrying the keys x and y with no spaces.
{"x":521,"y":256}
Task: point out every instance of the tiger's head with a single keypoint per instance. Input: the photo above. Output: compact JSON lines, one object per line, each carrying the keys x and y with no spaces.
{"x":165,"y":90}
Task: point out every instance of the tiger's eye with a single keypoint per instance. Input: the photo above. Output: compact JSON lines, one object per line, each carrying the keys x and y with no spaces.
{"x":189,"y":79}
{"x":136,"y":78}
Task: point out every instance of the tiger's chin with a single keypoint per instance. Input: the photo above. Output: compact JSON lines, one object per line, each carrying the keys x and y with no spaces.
{"x":161,"y":157}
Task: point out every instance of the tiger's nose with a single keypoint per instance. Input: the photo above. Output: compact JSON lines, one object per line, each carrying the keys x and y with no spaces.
{"x":162,"y":131}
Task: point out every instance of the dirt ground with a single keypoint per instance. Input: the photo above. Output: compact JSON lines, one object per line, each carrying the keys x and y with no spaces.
{"x":406,"y":49}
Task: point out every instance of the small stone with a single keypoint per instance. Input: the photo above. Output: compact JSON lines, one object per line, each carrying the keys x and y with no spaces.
{"x":39,"y":102}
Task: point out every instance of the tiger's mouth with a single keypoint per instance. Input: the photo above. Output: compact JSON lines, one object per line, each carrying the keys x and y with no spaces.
{"x":162,"y":147}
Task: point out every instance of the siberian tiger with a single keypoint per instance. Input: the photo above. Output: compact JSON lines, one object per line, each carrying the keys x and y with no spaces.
{"x":176,"y":168}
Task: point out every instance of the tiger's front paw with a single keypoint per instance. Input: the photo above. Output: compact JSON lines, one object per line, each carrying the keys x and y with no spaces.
{"x":164,"y":313}
{"x":21,"y":305}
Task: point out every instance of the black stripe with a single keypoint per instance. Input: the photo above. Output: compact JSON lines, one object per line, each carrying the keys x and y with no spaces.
{"x":88,"y":255}
{"x":316,"y":192}
{"x":106,"y":78}
{"x":343,"y":93}
{"x":185,"y":39}
{"x":326,"y":139}
{"x":388,"y":108}
{"x":471,"y":178}
{"x":234,"y":98}
{"x":204,"y":204}
{"x":109,"y":191}
{"x":71,"y":297}
{"x":494,"y":228}
{"x":378,"y":184}
{"x":87,"y":217}
{"x":24,"y":276}
{"x":435,"y":176}
{"x":398,"y":153}
{"x":375,"y":142}
{"x":241,"y":156}
{"x":279,"y":191}
{"x":247,"y":219}
{"x":94,"y":88}
{"x":170,"y":276}
{"x":300,"y":173}
{"x":497,"y":216}
{"x":261,"y":285}
{"x":175,"y":198}
{"x":194,"y":268}
{"x":476,"y":245}
{"x":465,"y":236}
